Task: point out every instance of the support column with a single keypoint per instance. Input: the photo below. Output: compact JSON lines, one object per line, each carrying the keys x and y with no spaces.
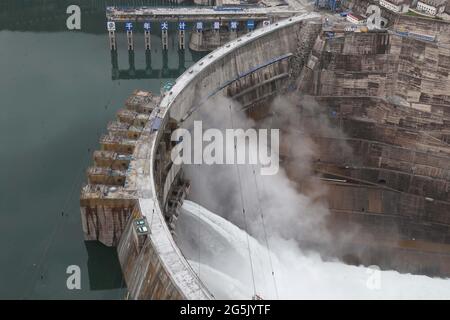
{"x":165,"y":65}
{"x":148,"y":62}
{"x":181,"y":59}
{"x":216,"y":33}
{"x":114,"y":65}
{"x":112,"y":40}
{"x":250,"y":25}
{"x":165,"y":35}
{"x":199,"y":29}
{"x":165,"y":39}
{"x":147,"y":36}
{"x":147,"y":41}
{"x":181,"y":40}
{"x":200,"y":37}
{"x":111,"y":26}
{"x":233,"y":34}
{"x":130,"y":41}
{"x":216,"y":37}
{"x":181,"y":35}
{"x":233,"y":29}
{"x":132,"y":69}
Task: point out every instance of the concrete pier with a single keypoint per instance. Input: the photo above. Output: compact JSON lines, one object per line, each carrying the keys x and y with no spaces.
{"x":199,"y":36}
{"x":148,"y":62}
{"x":165,"y":64}
{"x":165,"y":39}
{"x":147,"y":40}
{"x":112,"y":40}
{"x":181,"y":40}
{"x":130,"y":40}
{"x":181,"y":60}
{"x":114,"y":64}
{"x":233,"y":34}
{"x":132,"y":69}
{"x":147,"y":72}
{"x":216,"y":36}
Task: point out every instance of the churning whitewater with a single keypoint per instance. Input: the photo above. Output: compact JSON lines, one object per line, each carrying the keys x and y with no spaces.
{"x":219,"y":253}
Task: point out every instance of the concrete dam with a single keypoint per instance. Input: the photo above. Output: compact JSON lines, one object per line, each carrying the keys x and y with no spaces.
{"x":371,"y":111}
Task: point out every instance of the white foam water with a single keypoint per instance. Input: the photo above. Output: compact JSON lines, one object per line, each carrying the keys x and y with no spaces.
{"x":219,"y":252}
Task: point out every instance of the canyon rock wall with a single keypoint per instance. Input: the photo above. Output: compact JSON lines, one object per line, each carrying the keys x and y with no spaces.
{"x":389,"y":94}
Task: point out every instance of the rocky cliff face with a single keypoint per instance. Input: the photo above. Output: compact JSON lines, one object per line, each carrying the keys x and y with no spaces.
{"x":384,"y":65}
{"x":390,"y":96}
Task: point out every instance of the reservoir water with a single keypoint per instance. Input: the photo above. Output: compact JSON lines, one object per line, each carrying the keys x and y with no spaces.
{"x":57,"y":96}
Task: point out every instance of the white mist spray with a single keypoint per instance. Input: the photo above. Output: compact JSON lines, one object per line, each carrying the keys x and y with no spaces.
{"x":217,"y":245}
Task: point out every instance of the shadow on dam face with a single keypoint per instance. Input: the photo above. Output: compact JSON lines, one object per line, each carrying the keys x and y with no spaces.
{"x":100,"y":259}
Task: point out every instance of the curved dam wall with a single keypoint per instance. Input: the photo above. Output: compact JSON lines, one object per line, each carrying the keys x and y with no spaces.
{"x":130,"y":207}
{"x":354,"y":75}
{"x":209,"y":76}
{"x":219,"y":69}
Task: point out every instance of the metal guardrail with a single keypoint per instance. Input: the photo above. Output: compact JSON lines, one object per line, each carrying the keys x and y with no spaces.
{"x":414,"y":35}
